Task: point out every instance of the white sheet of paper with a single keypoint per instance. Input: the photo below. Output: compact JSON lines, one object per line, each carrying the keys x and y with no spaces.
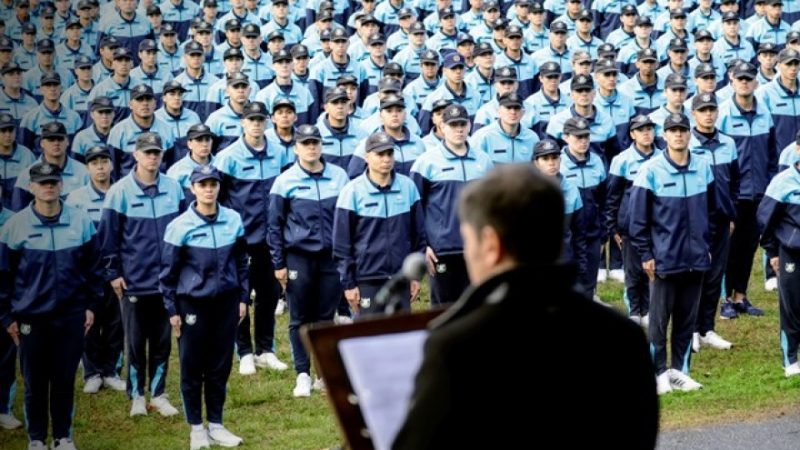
{"x":382,"y":370}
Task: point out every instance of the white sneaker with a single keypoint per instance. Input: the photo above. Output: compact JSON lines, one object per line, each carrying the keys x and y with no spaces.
{"x":342,"y":320}
{"x":682,"y":382}
{"x":138,"y":407}
{"x":218,"y":435}
{"x":247,"y":365}
{"x":303,"y":386}
{"x":662,"y":384}
{"x":163,"y":406}
{"x":646,"y":320}
{"x":792,"y":370}
{"x":695,"y":342}
{"x":92,"y":385}
{"x":36,"y":445}
{"x":771,"y":284}
{"x":199,"y":439}
{"x":319,"y":385}
{"x":713,"y":340}
{"x":64,"y":444}
{"x":636,"y":319}
{"x":9,"y":422}
{"x":269,"y":360}
{"x":617,"y":275}
{"x":602,"y":275}
{"x":281,"y":307}
{"x":115,"y":383}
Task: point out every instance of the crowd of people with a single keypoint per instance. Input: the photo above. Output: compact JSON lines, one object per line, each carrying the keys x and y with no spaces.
{"x":163,"y":166}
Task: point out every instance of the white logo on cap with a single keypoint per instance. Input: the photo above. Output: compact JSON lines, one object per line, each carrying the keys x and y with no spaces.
{"x":383,"y":138}
{"x":678,"y":79}
{"x":456,"y":58}
{"x":676,"y":117}
{"x":706,"y":98}
{"x":46,"y":169}
{"x":454,"y":112}
{"x":547,"y":145}
{"x":205,"y":170}
{"x":580,"y":123}
{"x":743,"y":66}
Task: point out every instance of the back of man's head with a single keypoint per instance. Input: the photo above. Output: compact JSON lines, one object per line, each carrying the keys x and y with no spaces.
{"x":525,"y":209}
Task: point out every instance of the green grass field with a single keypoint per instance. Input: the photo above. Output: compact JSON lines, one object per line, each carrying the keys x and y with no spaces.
{"x":745,"y":383}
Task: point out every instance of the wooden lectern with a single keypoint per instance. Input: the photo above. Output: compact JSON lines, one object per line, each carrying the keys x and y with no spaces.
{"x":323,"y":339}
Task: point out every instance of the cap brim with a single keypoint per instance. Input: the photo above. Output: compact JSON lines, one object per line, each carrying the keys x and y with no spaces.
{"x":308,"y":138}
{"x":648,"y":58}
{"x":554,"y":151}
{"x":200,"y":178}
{"x":389,"y":105}
{"x":43,"y":178}
{"x":642,"y":125}
{"x":99,"y":155}
{"x":507,"y":104}
{"x":678,"y":125}
{"x":54,"y":135}
{"x":457,"y":119}
{"x":749,"y":76}
{"x":149,"y":148}
{"x":794,"y":58}
{"x":382,"y":148}
{"x":255,"y":114}
{"x":199,"y":135}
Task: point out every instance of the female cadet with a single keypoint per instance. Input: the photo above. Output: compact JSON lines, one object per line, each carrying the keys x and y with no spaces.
{"x":204,"y":280}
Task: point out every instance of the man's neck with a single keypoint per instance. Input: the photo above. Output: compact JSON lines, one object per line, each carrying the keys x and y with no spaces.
{"x":120,"y":80}
{"x":336,"y":123}
{"x":147,"y":177}
{"x":790,"y":83}
{"x":459,"y":149}
{"x":172,"y":111}
{"x":580,"y":156}
{"x":73,"y":43}
{"x":584,"y":111}
{"x":605,"y":92}
{"x":516,"y":54}
{"x":680,"y":158}
{"x":315,"y":166}
{"x":458,"y":88}
{"x":643,"y":42}
{"x":238,"y":108}
{"x":12,"y":92}
{"x":102,"y":186}
{"x":143,"y":122}
{"x":646,"y":149}
{"x":486,"y":71}
{"x":396,"y":133}
{"x":745,"y":101}
{"x":257,"y":142}
{"x":511,"y":129}
{"x":85,"y":84}
{"x":381,"y":179}
{"x":51,"y":104}
{"x":733,"y":39}
{"x":585,"y":36}
{"x":705,"y":130}
{"x":6,"y":149}
{"x":674,"y":108}
{"x":149,"y":68}
{"x":127,"y":15}
{"x":47,"y":209}
{"x":339,"y":59}
{"x":647,"y":78}
{"x":284,"y":81}
{"x":195,"y":72}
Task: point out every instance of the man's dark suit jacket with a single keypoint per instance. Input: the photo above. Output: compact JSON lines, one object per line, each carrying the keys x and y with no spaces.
{"x":591,"y":382}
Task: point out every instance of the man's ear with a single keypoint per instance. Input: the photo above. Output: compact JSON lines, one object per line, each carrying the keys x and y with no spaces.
{"x":491,"y":245}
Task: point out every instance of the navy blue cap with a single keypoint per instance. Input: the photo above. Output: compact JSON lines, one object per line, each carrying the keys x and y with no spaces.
{"x":545,"y":147}
{"x":641,"y":121}
{"x":6,"y":44}
{"x":122,"y":53}
{"x":205,"y":172}
{"x":550,"y":68}
{"x":28,"y":28}
{"x":581,"y":82}
{"x":676,"y":121}
{"x":405,"y":12}
{"x":276,"y":35}
{"x":109,"y":41}
{"x":392,"y":100}
{"x":101,"y":103}
{"x":379,"y":142}
{"x":153,"y":10}
{"x":505,"y":74}
{"x":676,"y":81}
{"x":251,"y":30}
{"x":193,"y":48}
{"x":417,"y":28}
{"x":307,"y":133}
{"x":647,"y":54}
{"x":345,"y":80}
{"x":453,"y":60}
{"x":446,"y":12}
{"x":510,"y":99}
{"x":731,"y":16}
{"x":745,"y":70}
{"x":82,"y":61}
{"x":283,"y":103}
{"x":7,"y":121}
{"x":149,"y":141}
{"x":767,"y":47}
{"x":97,"y":151}
{"x":339,"y":34}
{"x":254,"y":109}
{"x":430,"y":56}
{"x":484,"y":48}
{"x":11,"y":67}
{"x":440,"y":104}
{"x":54,"y":129}
{"x":388,"y":84}
{"x":148,"y":45}
{"x":199,"y":130}
{"x":233,"y":52}
{"x":376,"y":38}
{"x":238,"y":78}
{"x":455,"y":113}
{"x":463,"y":38}
{"x":513,"y":30}
{"x":701,"y":101}
{"x":335,"y":94}
{"x":50,"y":78}
{"x":233,"y":24}
{"x":558,"y":27}
{"x":576,"y":126}
{"x":142,"y":90}
{"x":393,"y":68}
{"x":203,"y":26}
{"x":325,"y":35}
{"x":168,"y":29}
{"x":171,"y":86}
{"x":703,"y":70}
{"x":282,"y":55}
{"x":299,"y":51}
{"x":44,"y":171}
{"x":45,"y":46}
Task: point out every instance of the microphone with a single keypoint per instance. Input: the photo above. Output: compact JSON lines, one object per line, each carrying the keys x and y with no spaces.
{"x":413,"y":269}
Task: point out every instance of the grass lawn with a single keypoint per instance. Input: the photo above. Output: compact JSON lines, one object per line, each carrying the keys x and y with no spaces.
{"x":746,"y":383}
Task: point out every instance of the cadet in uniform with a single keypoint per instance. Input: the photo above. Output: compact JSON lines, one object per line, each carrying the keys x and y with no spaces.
{"x":440,"y":173}
{"x":301,"y":206}
{"x":102,"y":358}
{"x":204,"y":311}
{"x":51,"y":274}
{"x":378,"y":222}
{"x":672,"y":201}
{"x":136,"y":212}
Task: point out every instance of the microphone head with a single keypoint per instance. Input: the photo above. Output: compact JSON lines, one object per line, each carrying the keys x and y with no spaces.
{"x":414,"y":267}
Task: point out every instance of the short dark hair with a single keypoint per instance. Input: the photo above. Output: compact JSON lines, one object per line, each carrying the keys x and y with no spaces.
{"x":523,"y":206}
